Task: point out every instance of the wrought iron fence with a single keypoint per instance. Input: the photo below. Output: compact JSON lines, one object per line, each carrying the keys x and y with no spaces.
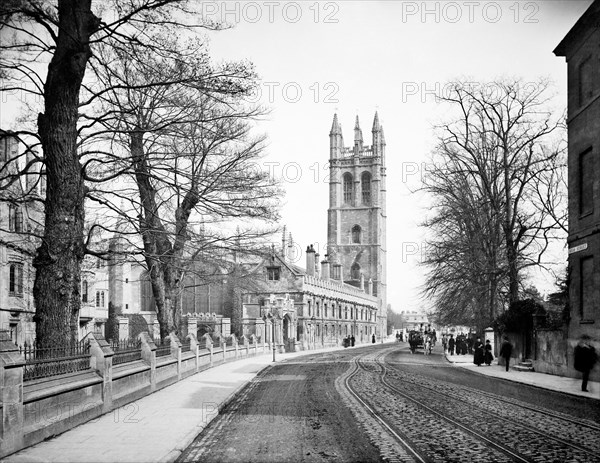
{"x":229,"y":342}
{"x":202,"y":343}
{"x":126,"y":350}
{"x":43,"y":363}
{"x":186,"y":345}
{"x":164,"y":348}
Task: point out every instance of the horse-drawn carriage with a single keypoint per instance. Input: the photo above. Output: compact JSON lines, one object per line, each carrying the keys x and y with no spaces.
{"x":415,"y":340}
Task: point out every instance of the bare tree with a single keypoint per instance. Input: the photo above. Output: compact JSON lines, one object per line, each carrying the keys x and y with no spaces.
{"x":508,"y":139}
{"x":464,"y":251}
{"x":63,"y":34}
{"x":181,"y":144}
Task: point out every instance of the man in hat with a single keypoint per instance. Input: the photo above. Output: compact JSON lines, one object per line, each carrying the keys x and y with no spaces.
{"x":585,"y":358}
{"x":506,"y":351}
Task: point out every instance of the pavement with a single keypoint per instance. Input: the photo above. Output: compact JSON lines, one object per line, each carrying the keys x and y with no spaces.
{"x":562,"y":384}
{"x":158,"y":427}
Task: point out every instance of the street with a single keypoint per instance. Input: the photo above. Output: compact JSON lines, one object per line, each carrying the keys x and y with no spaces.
{"x":382,"y":403}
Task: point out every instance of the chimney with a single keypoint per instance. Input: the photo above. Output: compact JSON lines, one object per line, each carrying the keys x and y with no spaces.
{"x":290,"y":257}
{"x":362,"y":281}
{"x":325,"y":268}
{"x":310,"y":261}
{"x":317,"y":270}
{"x":283,"y":244}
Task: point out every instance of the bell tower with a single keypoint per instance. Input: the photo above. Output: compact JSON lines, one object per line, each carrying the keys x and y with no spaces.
{"x":356,"y":218}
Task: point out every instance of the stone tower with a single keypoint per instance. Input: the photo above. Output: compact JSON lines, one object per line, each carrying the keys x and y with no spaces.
{"x":356,"y":218}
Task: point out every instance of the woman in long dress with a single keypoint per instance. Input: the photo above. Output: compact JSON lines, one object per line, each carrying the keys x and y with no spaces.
{"x":478,"y":356}
{"x":488,"y":356}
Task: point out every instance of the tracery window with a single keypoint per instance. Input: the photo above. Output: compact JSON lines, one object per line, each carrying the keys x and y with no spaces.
{"x":348,"y":188}
{"x":366,"y":187}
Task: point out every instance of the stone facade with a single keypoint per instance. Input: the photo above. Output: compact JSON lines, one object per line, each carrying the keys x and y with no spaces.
{"x":21,"y":218}
{"x":580,"y":48}
{"x":356,"y":223}
{"x":312,"y":311}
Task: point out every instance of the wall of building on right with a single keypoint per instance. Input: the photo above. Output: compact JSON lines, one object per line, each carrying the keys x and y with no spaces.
{"x":581,"y":49}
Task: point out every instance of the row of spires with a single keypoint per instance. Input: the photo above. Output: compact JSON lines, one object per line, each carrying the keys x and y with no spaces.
{"x":337,"y":139}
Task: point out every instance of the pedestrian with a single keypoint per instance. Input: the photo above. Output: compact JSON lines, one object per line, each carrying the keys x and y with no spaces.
{"x":451,"y":344}
{"x":444,"y":342}
{"x":352,"y":341}
{"x":478,"y":353}
{"x":373,"y":338}
{"x":470,"y":344}
{"x":585,"y":358}
{"x":506,"y":351}
{"x":488,"y":356}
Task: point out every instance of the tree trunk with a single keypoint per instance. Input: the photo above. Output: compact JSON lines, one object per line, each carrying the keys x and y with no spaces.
{"x":513,"y":271}
{"x":56,"y":288}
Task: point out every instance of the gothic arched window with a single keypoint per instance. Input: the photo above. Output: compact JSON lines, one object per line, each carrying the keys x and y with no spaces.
{"x":15,"y":218}
{"x":84,"y":291}
{"x":347,"y":182}
{"x":356,"y":234}
{"x":365,"y":181}
{"x":355,"y":271}
{"x":15,"y":279}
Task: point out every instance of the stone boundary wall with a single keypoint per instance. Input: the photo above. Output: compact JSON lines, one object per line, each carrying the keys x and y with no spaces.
{"x":36,"y":410}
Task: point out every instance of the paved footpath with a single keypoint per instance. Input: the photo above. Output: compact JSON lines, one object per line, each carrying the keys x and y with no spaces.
{"x":158,"y":427}
{"x":532,"y":378}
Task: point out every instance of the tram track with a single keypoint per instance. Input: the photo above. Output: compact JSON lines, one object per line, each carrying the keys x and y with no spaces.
{"x":436,"y":406}
{"x":491,"y":405}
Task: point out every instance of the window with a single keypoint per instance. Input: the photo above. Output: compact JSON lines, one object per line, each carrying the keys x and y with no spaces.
{"x":336,"y":272}
{"x":586,"y":266}
{"x":586,"y":182}
{"x":99,"y":263}
{"x":15,"y":283}
{"x":365,"y":181}
{"x":356,"y":234}
{"x":15,"y":218}
{"x":84,"y":291}
{"x":3,"y":142}
{"x":347,"y":182}
{"x":585,"y":81}
{"x":355,"y":271}
{"x":318,"y":310}
{"x":273,"y":273}
{"x":325,"y":311}
{"x":309,"y":308}
{"x":99,"y":298}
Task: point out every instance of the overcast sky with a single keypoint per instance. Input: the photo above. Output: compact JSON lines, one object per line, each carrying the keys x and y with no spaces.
{"x":356,"y":57}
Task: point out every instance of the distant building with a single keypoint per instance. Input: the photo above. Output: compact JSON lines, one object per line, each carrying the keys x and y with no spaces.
{"x":356,"y":220}
{"x":21,"y":218}
{"x":344,"y":294}
{"x":581,"y":49}
{"x":322,"y":309}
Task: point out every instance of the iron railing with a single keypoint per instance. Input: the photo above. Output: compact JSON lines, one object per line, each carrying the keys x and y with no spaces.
{"x":43,"y":363}
{"x":126,"y":350}
{"x":164,"y":348}
{"x":186,"y":345}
